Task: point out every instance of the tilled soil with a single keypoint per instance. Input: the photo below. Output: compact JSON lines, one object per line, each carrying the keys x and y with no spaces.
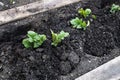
{"x":81,"y":52}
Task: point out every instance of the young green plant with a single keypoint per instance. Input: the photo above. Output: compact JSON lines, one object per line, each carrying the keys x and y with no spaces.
{"x":94,"y":16}
{"x":85,"y":13}
{"x":57,"y":38}
{"x":34,"y":40}
{"x":11,"y":1}
{"x":79,"y":23}
{"x":115,"y":8}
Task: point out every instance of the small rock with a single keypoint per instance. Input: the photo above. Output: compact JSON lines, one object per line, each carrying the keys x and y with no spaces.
{"x":65,"y":67}
{"x":39,"y":50}
{"x":1,"y":68}
{"x":64,"y":56}
{"x":73,"y":57}
{"x":1,"y":4}
{"x":2,"y":53}
{"x":31,"y":58}
{"x":45,"y":57}
{"x":14,"y":2}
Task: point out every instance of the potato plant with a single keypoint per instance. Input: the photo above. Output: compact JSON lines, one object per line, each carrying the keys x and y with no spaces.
{"x":34,"y":40}
{"x":79,"y":23}
{"x":85,"y":13}
{"x":115,"y":8}
{"x":57,"y":38}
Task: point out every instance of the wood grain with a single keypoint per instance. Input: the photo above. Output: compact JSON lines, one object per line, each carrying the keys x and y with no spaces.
{"x":31,"y":9}
{"x":108,"y":71}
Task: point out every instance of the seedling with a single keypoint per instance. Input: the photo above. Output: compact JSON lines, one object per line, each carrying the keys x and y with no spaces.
{"x":57,"y":38}
{"x":115,"y":8}
{"x":34,"y":40}
{"x":94,"y":17}
{"x":11,"y":1}
{"x":79,"y":23}
{"x":85,"y":13}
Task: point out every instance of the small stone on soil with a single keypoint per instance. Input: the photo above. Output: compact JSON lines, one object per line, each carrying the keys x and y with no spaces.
{"x":65,"y":67}
{"x":31,"y":58}
{"x":73,"y":57}
{"x":1,"y":4}
{"x":64,"y":56}
{"x":39,"y":49}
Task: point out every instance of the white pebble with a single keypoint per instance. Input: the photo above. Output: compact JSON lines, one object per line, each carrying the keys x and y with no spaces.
{"x":13,"y":2}
{"x":1,"y":4}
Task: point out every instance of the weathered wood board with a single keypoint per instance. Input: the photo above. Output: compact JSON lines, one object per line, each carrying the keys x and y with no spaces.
{"x":31,"y":9}
{"x":108,"y":71}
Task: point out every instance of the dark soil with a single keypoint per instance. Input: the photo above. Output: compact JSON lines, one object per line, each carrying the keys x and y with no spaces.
{"x":76,"y":55}
{"x":7,"y":4}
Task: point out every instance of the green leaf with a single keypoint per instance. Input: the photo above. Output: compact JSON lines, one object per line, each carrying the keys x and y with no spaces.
{"x":78,"y":23}
{"x":62,"y":35}
{"x":57,"y":38}
{"x":53,"y":36}
{"x":94,"y":17}
{"x":88,"y":11}
{"x":36,"y":45}
{"x":88,"y":23}
{"x":43,"y":37}
{"x":31,"y":39}
{"x":26,"y":43}
{"x":37,"y":37}
{"x":85,"y":13}
{"x":75,"y":21}
{"x":115,"y":8}
{"x":84,"y":25}
{"x":81,"y":11}
{"x":31,"y":34}
{"x":11,"y":1}
{"x":79,"y":27}
{"x":34,"y":40}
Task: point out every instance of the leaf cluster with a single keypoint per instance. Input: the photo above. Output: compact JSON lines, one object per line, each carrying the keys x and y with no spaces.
{"x":57,"y":38}
{"x":34,"y":40}
{"x":85,"y":13}
{"x":79,"y":23}
{"x":115,"y":8}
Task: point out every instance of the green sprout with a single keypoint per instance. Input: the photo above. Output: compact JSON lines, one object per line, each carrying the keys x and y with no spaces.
{"x":11,"y":1}
{"x":94,"y":17}
{"x":115,"y":8}
{"x":34,"y":40}
{"x":57,"y":38}
{"x":79,"y":23}
{"x":85,"y":13}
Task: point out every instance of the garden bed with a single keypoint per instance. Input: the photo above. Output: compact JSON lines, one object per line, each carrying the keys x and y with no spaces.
{"x":79,"y":53}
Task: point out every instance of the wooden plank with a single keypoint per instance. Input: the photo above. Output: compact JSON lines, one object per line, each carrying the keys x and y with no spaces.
{"x":31,"y":9}
{"x":108,"y":71}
